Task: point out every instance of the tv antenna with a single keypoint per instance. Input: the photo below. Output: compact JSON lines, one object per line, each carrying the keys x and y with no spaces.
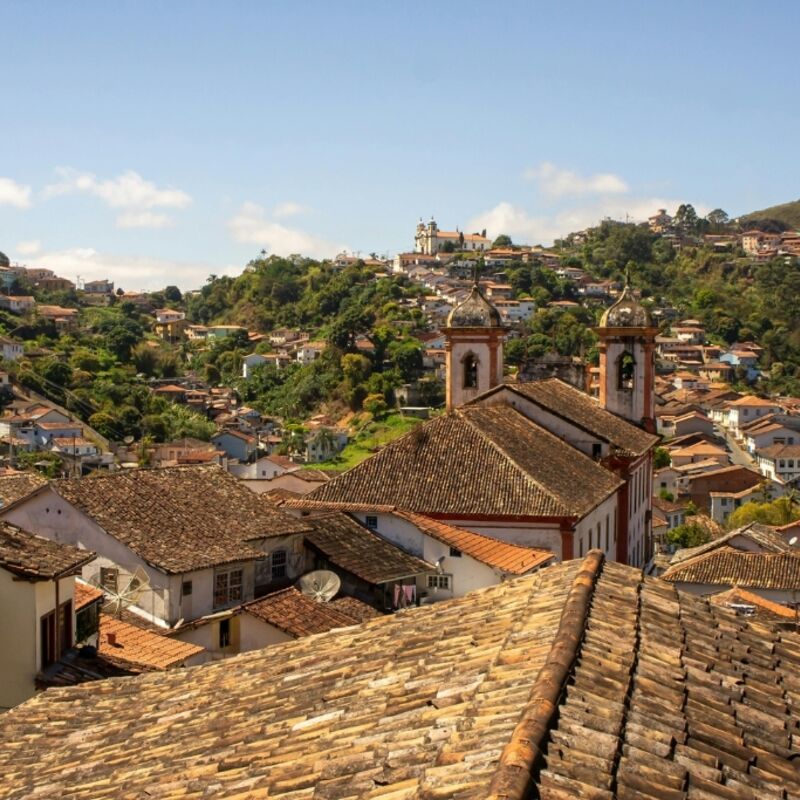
{"x":320,"y":585}
{"x":117,"y":600}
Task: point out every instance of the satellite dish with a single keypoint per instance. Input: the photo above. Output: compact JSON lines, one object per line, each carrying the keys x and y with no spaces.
{"x":128,"y":440}
{"x":320,"y":585}
{"x":117,"y":601}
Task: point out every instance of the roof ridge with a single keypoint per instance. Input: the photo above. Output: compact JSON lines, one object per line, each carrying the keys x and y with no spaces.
{"x":563,"y":508}
{"x":514,"y":775}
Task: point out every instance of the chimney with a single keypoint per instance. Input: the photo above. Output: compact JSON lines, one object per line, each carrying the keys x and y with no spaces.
{"x":112,"y":639}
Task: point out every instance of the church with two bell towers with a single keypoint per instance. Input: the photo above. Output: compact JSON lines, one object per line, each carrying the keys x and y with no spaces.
{"x":537,"y":463}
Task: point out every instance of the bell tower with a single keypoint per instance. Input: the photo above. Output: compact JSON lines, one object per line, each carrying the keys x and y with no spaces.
{"x":627,"y":361}
{"x":474,"y":347}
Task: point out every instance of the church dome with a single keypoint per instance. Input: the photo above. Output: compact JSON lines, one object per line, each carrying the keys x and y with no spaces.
{"x":4,"y":260}
{"x":475,"y":312}
{"x":627,"y":312}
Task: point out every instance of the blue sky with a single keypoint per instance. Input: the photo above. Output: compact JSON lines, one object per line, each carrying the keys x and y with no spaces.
{"x":161,"y":142}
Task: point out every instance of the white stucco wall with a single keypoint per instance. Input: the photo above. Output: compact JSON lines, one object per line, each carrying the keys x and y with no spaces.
{"x":23,"y":604}
{"x":590,"y":532}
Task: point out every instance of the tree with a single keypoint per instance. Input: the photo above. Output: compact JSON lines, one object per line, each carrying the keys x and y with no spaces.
{"x":173,"y":294}
{"x":772,"y":512}
{"x":661,"y":458}
{"x":376,"y":405}
{"x":718,"y":218}
{"x":690,"y":534}
{"x":503,"y":240}
{"x":686,"y":218}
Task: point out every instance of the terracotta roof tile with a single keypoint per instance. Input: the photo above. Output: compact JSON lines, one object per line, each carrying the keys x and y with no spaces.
{"x":727,"y":566}
{"x":14,"y":487}
{"x":580,"y":681}
{"x":354,"y":608}
{"x":571,"y":404}
{"x":476,"y":460}
{"x":179,"y":519}
{"x":84,"y":594}
{"x":36,"y":558}
{"x":511,"y":558}
{"x":350,"y":546}
{"x":140,"y":647}
{"x":763,"y":536}
{"x":292,"y":612}
{"x":738,"y":596}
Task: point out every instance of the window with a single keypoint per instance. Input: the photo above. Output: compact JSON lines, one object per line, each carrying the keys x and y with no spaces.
{"x":278,"y":561}
{"x":626,"y":366}
{"x":439,"y":581}
{"x":606,"y":532}
{"x":597,"y":450}
{"x":580,"y":546}
{"x":455,"y":552}
{"x":108,"y":578}
{"x":87,"y":622}
{"x":47,"y":630}
{"x":470,"y":371}
{"x":371,"y":523}
{"x":224,"y":633}
{"x":186,"y":588}
{"x":228,"y":587}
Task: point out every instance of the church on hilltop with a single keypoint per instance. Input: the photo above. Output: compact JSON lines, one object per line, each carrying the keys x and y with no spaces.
{"x":429,"y":240}
{"x":541,"y":463}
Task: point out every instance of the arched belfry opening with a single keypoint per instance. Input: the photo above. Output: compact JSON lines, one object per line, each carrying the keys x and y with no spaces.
{"x":470,"y":369}
{"x":626,"y":371}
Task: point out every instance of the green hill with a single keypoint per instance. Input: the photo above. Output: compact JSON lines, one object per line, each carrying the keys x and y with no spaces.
{"x":787,"y":213}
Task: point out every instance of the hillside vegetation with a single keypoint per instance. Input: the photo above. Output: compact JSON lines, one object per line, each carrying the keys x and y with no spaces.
{"x":786,"y":213}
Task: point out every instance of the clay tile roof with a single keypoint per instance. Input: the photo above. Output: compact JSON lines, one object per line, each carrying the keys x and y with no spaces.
{"x":511,"y":558}
{"x":580,"y":681}
{"x":751,"y":400}
{"x":577,"y":407}
{"x":738,"y":596}
{"x":766,"y":538}
{"x":35,"y":558}
{"x":357,"y":610}
{"x":179,"y":519}
{"x":16,"y":486}
{"x":84,"y":594}
{"x":292,"y":612}
{"x":727,"y":566}
{"x":350,"y":546}
{"x":780,"y":451}
{"x":141,"y":648}
{"x":486,"y":460}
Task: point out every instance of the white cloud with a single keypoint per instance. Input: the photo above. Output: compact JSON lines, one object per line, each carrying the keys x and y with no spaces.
{"x":144,"y":219}
{"x":288,"y":209}
{"x":129,"y":191}
{"x":132,"y":273}
{"x":30,"y":248}
{"x":14,"y":194}
{"x":543,"y":229}
{"x":557,"y":182}
{"x":251,"y":225}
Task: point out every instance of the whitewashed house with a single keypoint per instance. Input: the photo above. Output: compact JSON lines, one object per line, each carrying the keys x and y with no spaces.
{"x":37,"y":623}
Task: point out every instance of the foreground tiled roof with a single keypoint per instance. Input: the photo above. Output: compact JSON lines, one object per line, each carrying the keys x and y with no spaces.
{"x":292,"y":612}
{"x":141,"y":648}
{"x":765,"y":537}
{"x":16,"y":486}
{"x":580,"y":681}
{"x":571,"y":404}
{"x":727,"y":566}
{"x":482,"y":460}
{"x":350,"y":546}
{"x":36,"y":558}
{"x":179,"y":519}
